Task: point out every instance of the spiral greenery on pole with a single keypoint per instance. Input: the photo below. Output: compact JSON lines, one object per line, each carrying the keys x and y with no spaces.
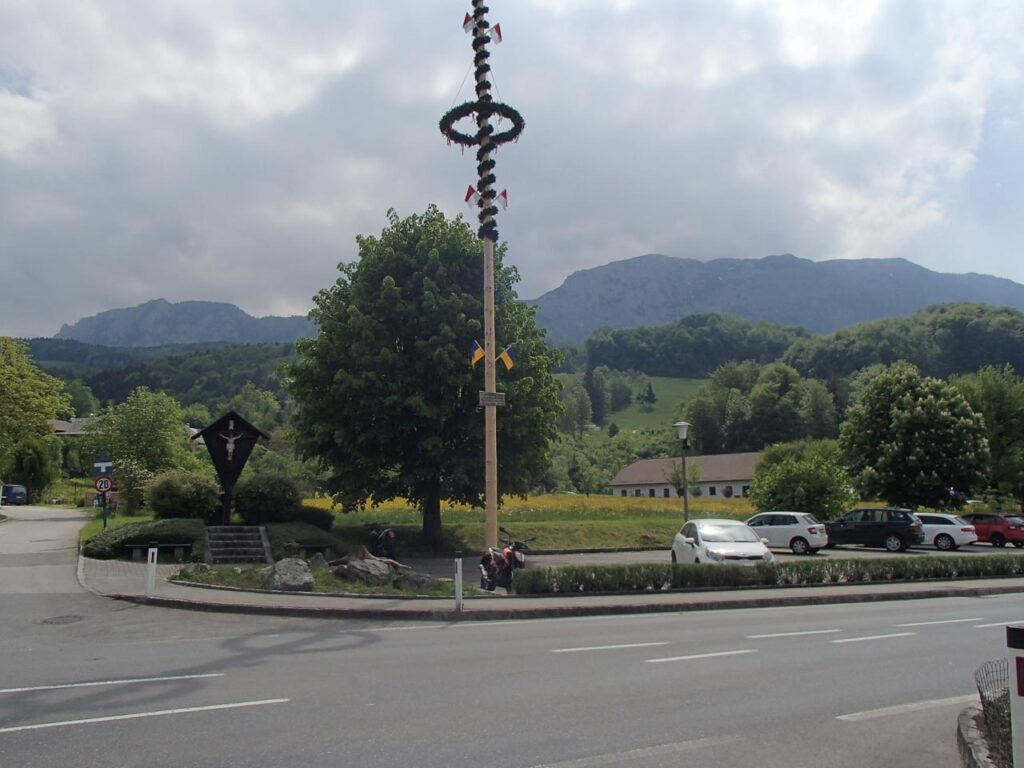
{"x":486,"y":138}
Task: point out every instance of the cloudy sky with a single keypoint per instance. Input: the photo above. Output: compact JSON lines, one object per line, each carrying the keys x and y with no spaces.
{"x":232,"y":150}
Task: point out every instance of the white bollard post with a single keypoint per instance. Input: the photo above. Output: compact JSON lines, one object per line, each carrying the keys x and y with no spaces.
{"x":1015,"y":642}
{"x":151,"y":571}
{"x":458,"y":583}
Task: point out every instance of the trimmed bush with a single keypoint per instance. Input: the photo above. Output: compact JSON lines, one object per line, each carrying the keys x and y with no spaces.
{"x":318,"y":516}
{"x":177,"y":493}
{"x":111,"y":543}
{"x":267,"y":499}
{"x":655,"y":576}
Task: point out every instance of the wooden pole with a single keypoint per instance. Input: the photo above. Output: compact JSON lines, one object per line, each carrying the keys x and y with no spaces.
{"x":490,"y":411}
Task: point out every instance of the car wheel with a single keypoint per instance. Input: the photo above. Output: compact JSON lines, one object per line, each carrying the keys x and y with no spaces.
{"x":799,"y":546}
{"x":945,"y":542}
{"x":998,"y":540}
{"x":894,"y":543}
{"x":1018,"y":544}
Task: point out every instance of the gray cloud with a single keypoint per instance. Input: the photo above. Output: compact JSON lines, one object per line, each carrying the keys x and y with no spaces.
{"x":233,"y":152}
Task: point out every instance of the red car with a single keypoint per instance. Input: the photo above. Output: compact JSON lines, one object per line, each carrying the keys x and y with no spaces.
{"x":997,"y":529}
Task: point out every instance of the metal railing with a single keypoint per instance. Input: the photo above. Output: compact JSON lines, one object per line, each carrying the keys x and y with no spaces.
{"x":993,"y":681}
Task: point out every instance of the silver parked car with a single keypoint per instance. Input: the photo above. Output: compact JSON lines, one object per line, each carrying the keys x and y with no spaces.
{"x":798,"y":531}
{"x":726,"y":542}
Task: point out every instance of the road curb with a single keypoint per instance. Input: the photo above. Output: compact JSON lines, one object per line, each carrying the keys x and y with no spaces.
{"x":487,"y":613}
{"x":971,"y":740}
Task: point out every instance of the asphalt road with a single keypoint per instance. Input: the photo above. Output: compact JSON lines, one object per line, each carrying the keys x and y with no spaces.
{"x":787,"y":687}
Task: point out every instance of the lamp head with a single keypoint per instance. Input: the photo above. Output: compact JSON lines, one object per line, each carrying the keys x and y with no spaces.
{"x":681,"y":428}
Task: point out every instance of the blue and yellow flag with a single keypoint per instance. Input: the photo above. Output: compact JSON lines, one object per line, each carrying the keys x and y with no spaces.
{"x":476,"y":353}
{"x":508,"y":358}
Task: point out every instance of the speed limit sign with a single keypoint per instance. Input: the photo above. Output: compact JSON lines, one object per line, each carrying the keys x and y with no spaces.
{"x":103,"y":484}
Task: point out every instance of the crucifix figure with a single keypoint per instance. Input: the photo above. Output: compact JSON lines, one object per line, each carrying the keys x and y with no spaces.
{"x":230,"y":437}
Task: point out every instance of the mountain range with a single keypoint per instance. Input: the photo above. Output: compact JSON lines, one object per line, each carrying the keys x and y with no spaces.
{"x":651,"y":290}
{"x":160,"y":323}
{"x":821,"y":296}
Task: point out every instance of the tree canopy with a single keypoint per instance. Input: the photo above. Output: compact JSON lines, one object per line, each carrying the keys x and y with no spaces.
{"x":385,"y":396}
{"x":914,"y":441}
{"x":29,"y":398}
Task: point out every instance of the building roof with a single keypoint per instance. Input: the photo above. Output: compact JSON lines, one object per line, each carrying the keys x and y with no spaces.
{"x":724,"y":467}
{"x":73,"y":426}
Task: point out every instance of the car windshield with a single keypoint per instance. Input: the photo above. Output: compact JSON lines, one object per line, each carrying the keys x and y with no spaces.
{"x":727,"y":533}
{"x":1015,"y":520}
{"x":961,"y":521}
{"x":813,"y":519}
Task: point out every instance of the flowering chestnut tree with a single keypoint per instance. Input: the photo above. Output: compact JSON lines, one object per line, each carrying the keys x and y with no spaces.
{"x":915,"y":441}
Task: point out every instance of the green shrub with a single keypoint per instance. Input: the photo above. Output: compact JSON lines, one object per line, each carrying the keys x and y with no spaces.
{"x":318,"y":516}
{"x":111,"y":543}
{"x":267,"y":499}
{"x":178,"y":493}
{"x":282,"y":535}
{"x":655,"y":576}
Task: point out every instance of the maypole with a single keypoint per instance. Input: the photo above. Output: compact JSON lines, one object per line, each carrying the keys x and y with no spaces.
{"x":486,"y":140}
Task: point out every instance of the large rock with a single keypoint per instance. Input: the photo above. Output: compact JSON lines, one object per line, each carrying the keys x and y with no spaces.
{"x":370,"y":570}
{"x":414,"y":581}
{"x":288,"y":575}
{"x":317,"y":562}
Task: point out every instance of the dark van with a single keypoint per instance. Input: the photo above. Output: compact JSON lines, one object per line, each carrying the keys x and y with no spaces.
{"x":15,"y":494}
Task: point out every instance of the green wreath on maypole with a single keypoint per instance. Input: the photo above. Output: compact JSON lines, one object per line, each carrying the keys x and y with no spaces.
{"x":486,"y":139}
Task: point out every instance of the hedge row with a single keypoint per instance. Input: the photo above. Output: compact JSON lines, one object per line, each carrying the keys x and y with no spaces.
{"x":110,"y":543}
{"x":575,"y":579}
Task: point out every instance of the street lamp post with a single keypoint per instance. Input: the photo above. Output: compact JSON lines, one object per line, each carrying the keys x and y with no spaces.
{"x":681,"y":428}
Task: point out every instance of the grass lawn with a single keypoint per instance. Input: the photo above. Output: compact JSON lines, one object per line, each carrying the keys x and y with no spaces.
{"x":670,"y":393}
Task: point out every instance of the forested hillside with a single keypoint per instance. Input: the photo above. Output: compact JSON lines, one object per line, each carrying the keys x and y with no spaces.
{"x":692,"y":347}
{"x":940,"y":340}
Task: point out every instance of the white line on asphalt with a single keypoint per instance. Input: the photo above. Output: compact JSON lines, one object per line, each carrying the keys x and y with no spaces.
{"x":702,"y":656}
{"x":945,"y":621}
{"x":999,"y":623}
{"x":870,"y":714}
{"x":126,"y":681}
{"x":393,"y":629}
{"x":606,"y":647}
{"x":618,"y":758}
{"x":873,"y":637}
{"x":794,"y":634}
{"x":138,"y":715}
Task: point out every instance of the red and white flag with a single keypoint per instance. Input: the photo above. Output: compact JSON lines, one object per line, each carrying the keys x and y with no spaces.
{"x":496,"y":33}
{"x":468,"y":23}
{"x":503,"y":199}
{"x":472,"y":196}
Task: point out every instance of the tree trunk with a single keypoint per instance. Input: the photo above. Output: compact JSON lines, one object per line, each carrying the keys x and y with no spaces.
{"x":432,"y":535}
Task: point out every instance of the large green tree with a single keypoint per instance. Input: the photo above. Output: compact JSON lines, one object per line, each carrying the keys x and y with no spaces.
{"x":814,"y":484}
{"x":29,"y":398}
{"x":998,"y":395}
{"x":385,"y":397}
{"x":148,"y":428}
{"x":915,"y":441}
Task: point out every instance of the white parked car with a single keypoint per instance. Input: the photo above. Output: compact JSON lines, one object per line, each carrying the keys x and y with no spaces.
{"x":728,"y":542}
{"x":798,"y":531}
{"x":946,"y":532}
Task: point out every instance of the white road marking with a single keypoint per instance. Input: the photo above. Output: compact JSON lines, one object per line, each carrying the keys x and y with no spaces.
{"x":794,"y":634}
{"x":870,"y":714}
{"x":617,"y":758}
{"x":606,"y":647}
{"x":702,"y":656}
{"x":999,"y":623}
{"x":945,"y":621}
{"x":874,"y":637}
{"x":126,"y":681}
{"x":138,"y":715}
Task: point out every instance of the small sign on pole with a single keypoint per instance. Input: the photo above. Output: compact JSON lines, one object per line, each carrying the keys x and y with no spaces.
{"x":492,"y":398}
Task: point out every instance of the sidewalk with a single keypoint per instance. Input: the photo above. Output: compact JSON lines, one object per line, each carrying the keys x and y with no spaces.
{"x":123,"y":580}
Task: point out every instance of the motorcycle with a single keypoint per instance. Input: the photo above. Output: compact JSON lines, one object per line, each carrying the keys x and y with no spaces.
{"x":382,"y":540}
{"x":498,"y":564}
